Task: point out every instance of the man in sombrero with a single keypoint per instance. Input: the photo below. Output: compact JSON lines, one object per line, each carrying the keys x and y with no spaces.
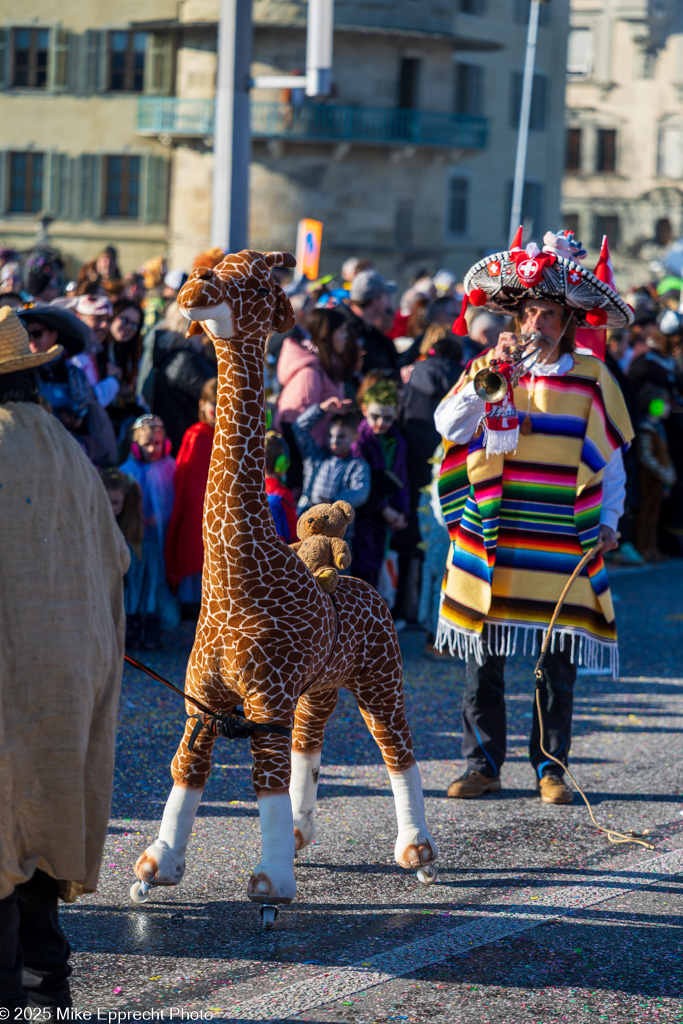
{"x":531,"y":482}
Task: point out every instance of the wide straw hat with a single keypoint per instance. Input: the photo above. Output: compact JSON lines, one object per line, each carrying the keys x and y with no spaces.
{"x":504,"y":281}
{"x":15,"y":353}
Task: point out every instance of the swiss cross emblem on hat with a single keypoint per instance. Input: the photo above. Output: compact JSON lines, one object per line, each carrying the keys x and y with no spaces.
{"x":528,"y":271}
{"x":494,"y":268}
{"x":574,"y":276}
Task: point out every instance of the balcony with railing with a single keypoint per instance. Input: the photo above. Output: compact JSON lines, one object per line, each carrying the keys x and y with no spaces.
{"x":319,"y":122}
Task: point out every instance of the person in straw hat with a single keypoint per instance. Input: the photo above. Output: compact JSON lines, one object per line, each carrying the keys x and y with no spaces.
{"x":533,"y":478}
{"x":61,"y":656}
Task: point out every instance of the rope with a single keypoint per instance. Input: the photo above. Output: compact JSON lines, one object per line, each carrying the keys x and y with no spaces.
{"x":613,"y":835}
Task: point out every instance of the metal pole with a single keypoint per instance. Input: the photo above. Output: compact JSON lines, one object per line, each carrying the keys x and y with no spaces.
{"x":231,"y":140}
{"x":523,"y":133}
{"x":319,"y":39}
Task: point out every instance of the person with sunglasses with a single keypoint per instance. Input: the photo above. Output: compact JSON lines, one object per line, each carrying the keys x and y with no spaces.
{"x":122,"y":348}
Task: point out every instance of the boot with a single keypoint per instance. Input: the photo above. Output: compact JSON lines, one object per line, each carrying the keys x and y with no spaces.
{"x":152,"y":640}
{"x":134,"y":632}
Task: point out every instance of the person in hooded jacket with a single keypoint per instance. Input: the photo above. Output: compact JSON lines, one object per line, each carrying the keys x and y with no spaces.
{"x":310,"y":371}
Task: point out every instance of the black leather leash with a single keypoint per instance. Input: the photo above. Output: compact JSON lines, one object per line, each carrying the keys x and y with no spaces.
{"x":232,"y":726}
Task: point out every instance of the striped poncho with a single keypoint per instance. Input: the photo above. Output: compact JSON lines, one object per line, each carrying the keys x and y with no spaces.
{"x":519,"y":523}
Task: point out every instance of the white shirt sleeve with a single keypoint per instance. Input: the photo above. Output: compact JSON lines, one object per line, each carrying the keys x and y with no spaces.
{"x":613,"y":491}
{"x":457,"y":416}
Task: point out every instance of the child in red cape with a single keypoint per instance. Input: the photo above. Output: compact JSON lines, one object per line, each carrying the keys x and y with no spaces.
{"x":184,"y":548}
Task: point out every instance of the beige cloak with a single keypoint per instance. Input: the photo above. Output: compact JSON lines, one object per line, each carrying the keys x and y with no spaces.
{"x":62,"y":560}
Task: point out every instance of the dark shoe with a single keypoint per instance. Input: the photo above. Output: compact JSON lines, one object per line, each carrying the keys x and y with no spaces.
{"x":134,"y":632}
{"x":472,"y":785}
{"x":554,"y":790}
{"x":152,"y":639}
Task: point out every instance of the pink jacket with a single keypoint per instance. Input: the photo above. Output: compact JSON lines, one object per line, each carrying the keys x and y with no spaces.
{"x":304,"y":383}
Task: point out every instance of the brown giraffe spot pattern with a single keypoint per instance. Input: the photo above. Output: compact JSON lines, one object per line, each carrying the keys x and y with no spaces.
{"x":267,"y":636}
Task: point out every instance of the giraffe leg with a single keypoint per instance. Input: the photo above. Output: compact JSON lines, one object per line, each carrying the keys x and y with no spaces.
{"x":312,"y":714}
{"x":163,"y":863}
{"x":381,"y":705}
{"x":272,"y":880}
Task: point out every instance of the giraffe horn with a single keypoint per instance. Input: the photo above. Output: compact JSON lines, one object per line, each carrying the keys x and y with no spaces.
{"x":279,"y":259}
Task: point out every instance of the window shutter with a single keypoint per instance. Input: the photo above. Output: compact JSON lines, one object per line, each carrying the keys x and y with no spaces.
{"x":4,"y":58}
{"x":59,"y":197}
{"x":93,"y":62}
{"x":539,"y":103}
{"x":3,"y":182}
{"x":87,"y":187}
{"x":63,"y":63}
{"x":156,"y":191}
{"x":159,"y":61}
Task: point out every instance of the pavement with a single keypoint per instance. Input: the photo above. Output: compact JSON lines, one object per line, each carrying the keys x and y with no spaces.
{"x":536,"y":919}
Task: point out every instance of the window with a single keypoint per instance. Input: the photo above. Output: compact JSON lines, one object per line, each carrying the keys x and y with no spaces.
{"x":532,"y":208}
{"x":403,"y":224}
{"x":606,"y":157}
{"x":670,"y":163}
{"x":458,"y":205}
{"x":473,"y":6}
{"x":30,"y":57}
{"x":25,"y":182}
{"x":521,"y":9}
{"x":663,"y":231}
{"x":580,"y":53}
{"x":571,"y":223}
{"x":126,"y":61}
{"x":539,"y":101}
{"x":469,"y":88}
{"x":573,"y":160}
{"x":122,"y":186}
{"x":408,"y":83}
{"x":606,"y":224}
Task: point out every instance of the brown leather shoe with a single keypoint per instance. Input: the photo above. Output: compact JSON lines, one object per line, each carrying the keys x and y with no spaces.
{"x":472,"y":785}
{"x":554,"y":790}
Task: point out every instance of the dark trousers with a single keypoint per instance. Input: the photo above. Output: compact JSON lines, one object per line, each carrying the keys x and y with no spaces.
{"x":483,"y":713}
{"x":34,"y":952}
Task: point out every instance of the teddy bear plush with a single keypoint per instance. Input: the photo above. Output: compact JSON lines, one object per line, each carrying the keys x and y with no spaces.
{"x":320,"y":545}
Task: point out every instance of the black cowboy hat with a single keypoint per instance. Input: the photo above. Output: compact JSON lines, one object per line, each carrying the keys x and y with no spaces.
{"x":74,"y":335}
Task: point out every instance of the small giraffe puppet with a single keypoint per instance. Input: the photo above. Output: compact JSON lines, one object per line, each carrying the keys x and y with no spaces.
{"x":268,"y":638}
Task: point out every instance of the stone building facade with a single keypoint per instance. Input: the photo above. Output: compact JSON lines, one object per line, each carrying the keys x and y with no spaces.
{"x":624,"y":145}
{"x":109,"y":123}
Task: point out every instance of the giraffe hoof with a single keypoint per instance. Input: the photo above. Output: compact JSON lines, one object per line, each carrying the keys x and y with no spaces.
{"x":415,"y":850}
{"x":160,"y":865}
{"x":273,"y":884}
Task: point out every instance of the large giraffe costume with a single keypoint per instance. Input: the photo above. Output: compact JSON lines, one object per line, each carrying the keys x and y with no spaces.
{"x":267,"y":636}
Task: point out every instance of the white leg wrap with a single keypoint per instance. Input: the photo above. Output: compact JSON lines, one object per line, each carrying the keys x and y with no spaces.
{"x":163,"y":863}
{"x":303,"y":790}
{"x":274,"y":876}
{"x":410,"y":815}
{"x":178,"y":819}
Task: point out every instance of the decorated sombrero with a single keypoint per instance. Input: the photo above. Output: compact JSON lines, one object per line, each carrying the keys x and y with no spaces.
{"x":504,"y":281}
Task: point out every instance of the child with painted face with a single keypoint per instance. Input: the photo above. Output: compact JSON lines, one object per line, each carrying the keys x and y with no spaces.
{"x":152,"y":465}
{"x":332,"y":473}
{"x":380,"y":443}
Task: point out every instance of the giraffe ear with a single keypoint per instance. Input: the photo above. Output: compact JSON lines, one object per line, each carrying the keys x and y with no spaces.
{"x":279,"y":259}
{"x":283,"y":317}
{"x":194,"y":328}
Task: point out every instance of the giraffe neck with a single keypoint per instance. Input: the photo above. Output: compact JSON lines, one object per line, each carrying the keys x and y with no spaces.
{"x":236,"y":484}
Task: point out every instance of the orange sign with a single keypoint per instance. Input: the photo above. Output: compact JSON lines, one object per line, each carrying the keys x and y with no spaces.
{"x":308,"y":240}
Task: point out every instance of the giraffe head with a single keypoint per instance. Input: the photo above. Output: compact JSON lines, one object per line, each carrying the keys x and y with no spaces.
{"x":239,"y":298}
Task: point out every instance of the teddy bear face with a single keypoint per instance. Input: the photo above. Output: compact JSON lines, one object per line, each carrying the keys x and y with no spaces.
{"x":325,"y":520}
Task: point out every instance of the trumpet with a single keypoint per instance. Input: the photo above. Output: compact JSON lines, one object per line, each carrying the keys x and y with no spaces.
{"x":491,"y":384}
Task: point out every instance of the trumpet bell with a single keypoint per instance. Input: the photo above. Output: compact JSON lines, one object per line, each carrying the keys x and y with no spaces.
{"x":490,"y":385}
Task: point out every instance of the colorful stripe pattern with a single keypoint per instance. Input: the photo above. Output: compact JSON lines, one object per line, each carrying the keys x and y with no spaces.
{"x":521,"y":522}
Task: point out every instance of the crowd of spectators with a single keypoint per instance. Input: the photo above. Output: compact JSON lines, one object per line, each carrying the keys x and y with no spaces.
{"x":351,"y":393}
